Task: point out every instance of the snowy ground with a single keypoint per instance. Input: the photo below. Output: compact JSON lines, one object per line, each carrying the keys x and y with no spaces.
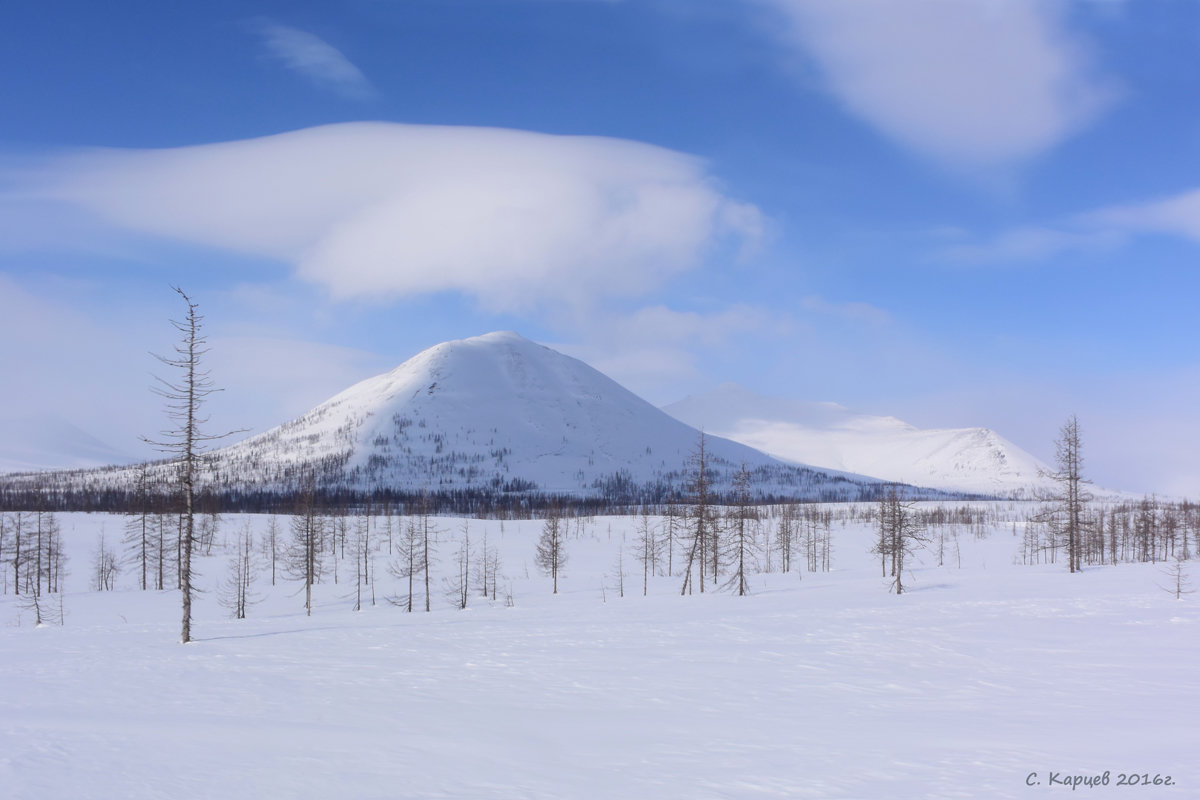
{"x":981,"y":681}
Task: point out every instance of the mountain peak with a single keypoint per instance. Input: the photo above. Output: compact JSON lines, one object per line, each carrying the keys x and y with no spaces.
{"x":499,"y":337}
{"x":492,"y":411}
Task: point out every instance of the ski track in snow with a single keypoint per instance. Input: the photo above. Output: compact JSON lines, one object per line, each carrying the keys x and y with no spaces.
{"x":816,"y":686}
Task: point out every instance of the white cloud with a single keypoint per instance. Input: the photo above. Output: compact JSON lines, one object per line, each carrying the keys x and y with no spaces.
{"x":975,"y":85}
{"x":315,"y":59}
{"x":379,"y":209}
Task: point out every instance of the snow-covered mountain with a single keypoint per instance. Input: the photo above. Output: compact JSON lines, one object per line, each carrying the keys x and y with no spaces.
{"x":499,"y":412}
{"x":828,"y":435}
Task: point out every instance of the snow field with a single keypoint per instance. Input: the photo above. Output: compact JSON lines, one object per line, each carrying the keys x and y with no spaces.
{"x":820,"y":685}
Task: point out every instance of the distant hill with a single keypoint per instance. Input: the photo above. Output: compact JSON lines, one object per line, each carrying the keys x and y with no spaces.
{"x":830,"y":436}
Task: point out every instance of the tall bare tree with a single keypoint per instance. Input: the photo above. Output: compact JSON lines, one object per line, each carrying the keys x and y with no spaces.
{"x":1071,"y":497}
{"x":429,"y":534}
{"x":271,"y":545}
{"x":308,"y":528}
{"x":185,"y":441}
{"x":741,"y":541}
{"x":702,"y":523}
{"x":139,"y":539}
{"x":649,"y":548}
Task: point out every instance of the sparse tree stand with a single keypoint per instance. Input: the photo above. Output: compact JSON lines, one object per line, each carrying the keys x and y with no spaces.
{"x":186,"y":440}
{"x":551,"y":554}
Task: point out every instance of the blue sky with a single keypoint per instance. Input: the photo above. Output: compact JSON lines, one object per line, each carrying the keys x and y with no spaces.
{"x":957,"y":212}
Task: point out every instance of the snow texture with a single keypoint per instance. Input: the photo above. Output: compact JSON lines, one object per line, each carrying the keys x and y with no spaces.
{"x":979,"y":681}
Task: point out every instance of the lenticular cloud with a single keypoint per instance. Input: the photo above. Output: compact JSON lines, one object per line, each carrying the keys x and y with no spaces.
{"x":371,"y":209}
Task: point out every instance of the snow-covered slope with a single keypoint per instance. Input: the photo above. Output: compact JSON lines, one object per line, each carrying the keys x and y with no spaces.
{"x":831,"y":436}
{"x":497,"y":412}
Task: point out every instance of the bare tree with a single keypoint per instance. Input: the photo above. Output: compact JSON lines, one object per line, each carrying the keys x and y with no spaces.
{"x":458,"y":588}
{"x":670,"y":533}
{"x":186,"y":440}
{"x":464,"y":564}
{"x":17,"y":526}
{"x":489,"y":569}
{"x":649,"y":548}
{"x":415,"y":554}
{"x":304,"y":554}
{"x":405,"y":562}
{"x":785,"y":536}
{"x":104,"y":566}
{"x":1071,"y":497}
{"x":1181,"y":582}
{"x":160,"y":550}
{"x":362,"y":559}
{"x":551,"y":554}
{"x":139,"y":539}
{"x":271,"y":545}
{"x":52,"y":559}
{"x":900,"y":532}
{"x":741,"y":542}
{"x":236,"y":593}
{"x":619,"y":570}
{"x":428,"y":533}
{"x":702,"y":523}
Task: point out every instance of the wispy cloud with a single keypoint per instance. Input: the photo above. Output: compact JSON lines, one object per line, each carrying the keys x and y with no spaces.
{"x":659,"y":351}
{"x":1178,"y":215}
{"x":854,"y":311}
{"x":314,"y":58}
{"x":1029,"y":244}
{"x":1091,"y":231}
{"x":378,"y":210}
{"x":974,"y":85}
